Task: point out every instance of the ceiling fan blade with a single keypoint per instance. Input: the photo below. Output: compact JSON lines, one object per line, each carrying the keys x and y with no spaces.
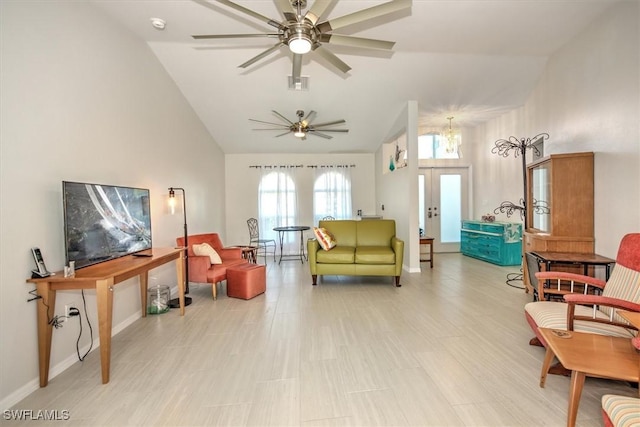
{"x":320,"y":134}
{"x":260,"y":56}
{"x":297,"y":68}
{"x":309,"y":118}
{"x":330,"y":130}
{"x":270,"y":123}
{"x":246,"y":11}
{"x":364,"y":15}
{"x":334,"y":60}
{"x":335,"y":122}
{"x":287,"y":10}
{"x":341,"y":40}
{"x":282,"y":117}
{"x":282,"y":134}
{"x":317,"y":10}
{"x":232,"y":36}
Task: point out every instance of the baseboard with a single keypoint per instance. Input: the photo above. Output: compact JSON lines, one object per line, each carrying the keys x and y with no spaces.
{"x":62,"y":366}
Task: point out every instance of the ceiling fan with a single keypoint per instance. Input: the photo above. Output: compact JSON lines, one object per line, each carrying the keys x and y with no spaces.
{"x":303,"y":126}
{"x":304,"y":32}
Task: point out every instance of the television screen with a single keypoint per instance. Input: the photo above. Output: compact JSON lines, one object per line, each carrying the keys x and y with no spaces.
{"x":104,"y":222}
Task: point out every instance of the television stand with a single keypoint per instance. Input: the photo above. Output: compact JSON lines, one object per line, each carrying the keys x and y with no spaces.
{"x":101,"y":277}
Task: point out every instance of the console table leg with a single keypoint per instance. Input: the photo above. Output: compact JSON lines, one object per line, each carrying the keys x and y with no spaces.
{"x":45,"y":329}
{"x":144,"y":280}
{"x":104,"y":299}
{"x":181,"y":282}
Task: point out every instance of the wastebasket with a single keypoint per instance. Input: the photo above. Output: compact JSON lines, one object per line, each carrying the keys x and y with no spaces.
{"x":158,"y":299}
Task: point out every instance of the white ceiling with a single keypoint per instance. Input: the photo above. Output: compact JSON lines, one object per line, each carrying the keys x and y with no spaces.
{"x":471,"y":59}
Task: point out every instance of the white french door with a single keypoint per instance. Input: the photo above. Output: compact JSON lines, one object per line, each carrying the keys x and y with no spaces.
{"x":443,"y":202}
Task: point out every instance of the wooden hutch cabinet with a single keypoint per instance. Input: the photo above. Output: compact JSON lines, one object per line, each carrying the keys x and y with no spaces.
{"x":560,"y":204}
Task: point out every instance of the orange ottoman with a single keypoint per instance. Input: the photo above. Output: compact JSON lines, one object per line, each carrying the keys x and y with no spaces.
{"x":246,"y":281}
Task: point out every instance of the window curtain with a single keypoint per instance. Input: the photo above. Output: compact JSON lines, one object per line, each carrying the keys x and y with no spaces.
{"x":278,"y":206}
{"x":332,"y":193}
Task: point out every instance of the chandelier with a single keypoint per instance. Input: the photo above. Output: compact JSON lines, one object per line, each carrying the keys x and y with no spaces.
{"x":452,"y":137}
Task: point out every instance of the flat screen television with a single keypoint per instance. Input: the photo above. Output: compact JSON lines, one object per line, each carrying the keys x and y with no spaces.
{"x":104,"y":222}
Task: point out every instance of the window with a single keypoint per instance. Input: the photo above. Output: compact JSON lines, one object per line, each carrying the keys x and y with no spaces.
{"x":434,"y":146}
{"x":332,"y":194}
{"x":277,"y":204}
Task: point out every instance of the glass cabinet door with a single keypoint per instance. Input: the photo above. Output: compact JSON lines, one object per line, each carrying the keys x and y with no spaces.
{"x":541,"y":197}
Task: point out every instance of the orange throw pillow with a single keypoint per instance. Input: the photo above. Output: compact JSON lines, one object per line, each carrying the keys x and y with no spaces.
{"x":326,"y":240}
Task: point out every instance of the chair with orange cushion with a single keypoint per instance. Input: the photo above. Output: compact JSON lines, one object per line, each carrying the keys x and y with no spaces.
{"x":586,"y":312}
{"x":201,"y":270}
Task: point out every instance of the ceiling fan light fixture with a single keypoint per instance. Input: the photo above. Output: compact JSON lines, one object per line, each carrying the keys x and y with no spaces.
{"x":299,"y":132}
{"x":300,"y":44}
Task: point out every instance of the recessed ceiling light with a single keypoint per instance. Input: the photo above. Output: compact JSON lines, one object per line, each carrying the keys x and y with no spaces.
{"x":158,"y":23}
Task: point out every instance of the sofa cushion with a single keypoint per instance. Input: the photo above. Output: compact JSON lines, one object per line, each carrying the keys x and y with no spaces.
{"x":325,"y":239}
{"x":374,"y":255}
{"x":344,"y":231}
{"x":205,"y":249}
{"x":338,"y":255}
{"x":375,"y":232}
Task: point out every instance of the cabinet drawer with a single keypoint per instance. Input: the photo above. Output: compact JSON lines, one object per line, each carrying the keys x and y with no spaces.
{"x":498,"y":243}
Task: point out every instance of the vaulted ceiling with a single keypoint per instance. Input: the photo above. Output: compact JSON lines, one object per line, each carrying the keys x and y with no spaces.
{"x":470,"y":59}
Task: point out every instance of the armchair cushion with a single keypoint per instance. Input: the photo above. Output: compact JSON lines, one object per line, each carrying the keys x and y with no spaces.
{"x":624,"y":284}
{"x":205,"y":249}
{"x":550,"y":314}
{"x":620,"y":411}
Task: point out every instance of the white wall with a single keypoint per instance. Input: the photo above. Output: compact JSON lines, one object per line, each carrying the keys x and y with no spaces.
{"x":242,"y":197}
{"x":397,"y":191}
{"x":588,"y":99}
{"x":84,"y":100}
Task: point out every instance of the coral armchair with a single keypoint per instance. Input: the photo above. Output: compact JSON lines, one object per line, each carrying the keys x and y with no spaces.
{"x":200,"y":268}
{"x":586,"y":312}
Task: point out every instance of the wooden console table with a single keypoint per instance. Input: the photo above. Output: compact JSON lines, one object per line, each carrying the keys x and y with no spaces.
{"x":101,"y":277}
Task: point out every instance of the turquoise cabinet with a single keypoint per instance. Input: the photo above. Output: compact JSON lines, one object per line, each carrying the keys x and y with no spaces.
{"x":496,"y":242}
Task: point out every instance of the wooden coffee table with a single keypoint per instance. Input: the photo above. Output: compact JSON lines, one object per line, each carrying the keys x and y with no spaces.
{"x":589,"y":355}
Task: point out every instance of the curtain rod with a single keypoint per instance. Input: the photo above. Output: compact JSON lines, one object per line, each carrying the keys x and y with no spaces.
{"x":299,"y":166}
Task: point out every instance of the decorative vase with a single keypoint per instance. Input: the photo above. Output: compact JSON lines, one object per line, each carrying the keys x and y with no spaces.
{"x":392,"y":165}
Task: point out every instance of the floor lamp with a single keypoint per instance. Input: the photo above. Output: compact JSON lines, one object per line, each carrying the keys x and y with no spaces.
{"x":175,"y":303}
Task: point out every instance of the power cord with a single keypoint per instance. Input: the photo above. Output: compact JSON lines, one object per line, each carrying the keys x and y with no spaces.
{"x":57,"y":320}
{"x":81,"y":358}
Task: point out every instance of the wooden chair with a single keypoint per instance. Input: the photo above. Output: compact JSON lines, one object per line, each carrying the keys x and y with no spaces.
{"x":254,"y":239}
{"x":587,"y":312}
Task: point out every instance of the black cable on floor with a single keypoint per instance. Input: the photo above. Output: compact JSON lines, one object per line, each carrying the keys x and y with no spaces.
{"x":514,"y":277}
{"x":84,"y":302}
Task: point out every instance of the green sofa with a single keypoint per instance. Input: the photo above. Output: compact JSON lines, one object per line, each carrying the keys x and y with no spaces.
{"x":364,"y":248}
